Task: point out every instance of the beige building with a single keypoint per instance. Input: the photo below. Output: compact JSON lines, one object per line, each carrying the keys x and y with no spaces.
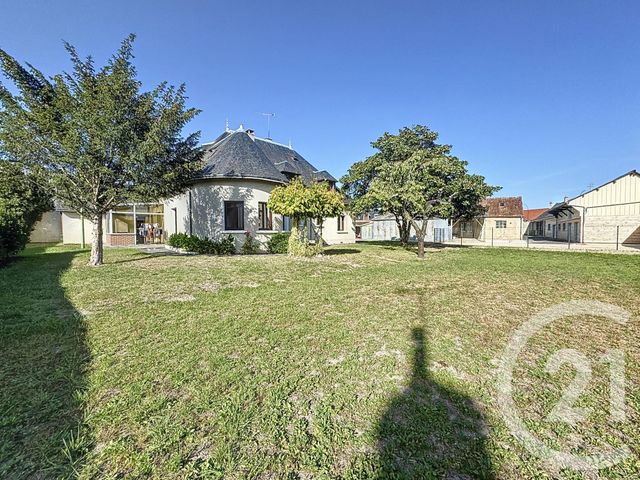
{"x":608,"y":214}
{"x":503,"y":220}
{"x":229,"y":198}
{"x":48,"y":229}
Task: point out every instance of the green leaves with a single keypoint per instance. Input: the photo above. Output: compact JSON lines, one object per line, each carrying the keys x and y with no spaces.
{"x":93,"y":137}
{"x":298,"y":201}
{"x":22,"y":203}
{"x":415,"y":178}
{"x":317,"y":202}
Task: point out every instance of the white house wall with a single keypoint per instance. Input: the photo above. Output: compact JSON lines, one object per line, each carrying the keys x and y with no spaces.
{"x":207,"y":212}
{"x":72,"y":228}
{"x":332,"y":236}
{"x":387,"y":229}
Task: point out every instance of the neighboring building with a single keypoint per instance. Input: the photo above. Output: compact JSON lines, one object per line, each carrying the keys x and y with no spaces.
{"x":361,"y":220}
{"x":503,"y":219}
{"x":609,"y":213}
{"x":532,"y":217}
{"x":48,"y":229}
{"x":228,"y":198}
{"x":384,"y":227}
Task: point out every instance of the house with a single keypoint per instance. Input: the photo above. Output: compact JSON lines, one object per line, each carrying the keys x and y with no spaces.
{"x":607,"y":214}
{"x":228,"y":197}
{"x":503,"y":220}
{"x":535,"y":225}
{"x":362,"y":219}
{"x":384,"y":227}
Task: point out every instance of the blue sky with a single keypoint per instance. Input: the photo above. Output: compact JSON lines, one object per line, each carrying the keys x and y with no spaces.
{"x":543,"y":98}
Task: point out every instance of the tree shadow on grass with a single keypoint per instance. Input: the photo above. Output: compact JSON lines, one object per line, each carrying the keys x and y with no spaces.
{"x":42,"y":373}
{"x":431,"y":431}
{"x":340,"y":251}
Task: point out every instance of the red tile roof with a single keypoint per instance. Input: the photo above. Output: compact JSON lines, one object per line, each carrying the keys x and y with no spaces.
{"x":533,"y":213}
{"x":503,"y":206}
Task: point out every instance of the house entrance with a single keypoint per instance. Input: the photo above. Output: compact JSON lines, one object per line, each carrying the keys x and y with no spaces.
{"x":136,"y":224}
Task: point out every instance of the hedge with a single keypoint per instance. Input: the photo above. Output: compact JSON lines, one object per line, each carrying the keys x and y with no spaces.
{"x":193,"y":243}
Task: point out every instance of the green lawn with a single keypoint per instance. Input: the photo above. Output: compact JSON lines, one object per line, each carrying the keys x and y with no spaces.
{"x":366,"y":363}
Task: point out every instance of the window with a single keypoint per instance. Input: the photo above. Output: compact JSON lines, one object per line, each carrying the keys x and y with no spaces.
{"x":264,"y":217}
{"x":501,"y":224}
{"x":564,"y":227}
{"x":234,"y":215}
{"x":286,"y":223}
{"x":341,"y":223}
{"x":548,"y":227}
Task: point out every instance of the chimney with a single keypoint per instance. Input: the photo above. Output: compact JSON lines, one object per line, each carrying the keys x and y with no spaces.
{"x":550,"y":204}
{"x":250,"y":132}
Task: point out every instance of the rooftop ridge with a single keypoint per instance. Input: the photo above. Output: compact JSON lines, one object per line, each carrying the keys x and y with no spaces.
{"x":253,"y":137}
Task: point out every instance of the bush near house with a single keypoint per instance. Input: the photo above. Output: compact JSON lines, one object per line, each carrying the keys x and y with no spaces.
{"x":193,"y":243}
{"x":278,"y":242}
{"x":250,"y":246}
{"x":22,"y":203}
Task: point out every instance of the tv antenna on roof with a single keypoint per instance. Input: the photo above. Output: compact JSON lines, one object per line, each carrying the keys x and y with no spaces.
{"x":269,"y":116}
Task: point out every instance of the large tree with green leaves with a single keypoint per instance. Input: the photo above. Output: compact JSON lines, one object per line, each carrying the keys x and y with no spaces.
{"x":415,"y":178}
{"x":301,"y":202}
{"x":94,"y":138}
{"x":391,"y":149}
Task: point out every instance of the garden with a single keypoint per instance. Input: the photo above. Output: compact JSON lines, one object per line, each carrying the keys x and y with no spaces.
{"x":362,"y":363}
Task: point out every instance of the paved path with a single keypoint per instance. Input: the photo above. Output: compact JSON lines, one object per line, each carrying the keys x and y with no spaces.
{"x":546,"y":245}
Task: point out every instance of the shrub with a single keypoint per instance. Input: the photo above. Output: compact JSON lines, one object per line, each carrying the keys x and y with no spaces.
{"x":192,"y":243}
{"x":299,"y":246}
{"x":227,"y":246}
{"x":22,"y":203}
{"x":251,"y":245}
{"x":278,"y":242}
{"x":177,"y":240}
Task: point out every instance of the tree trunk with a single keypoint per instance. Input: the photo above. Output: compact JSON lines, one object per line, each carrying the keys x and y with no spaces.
{"x":420,"y":238}
{"x":421,"y":232}
{"x":404,"y":228}
{"x":97,"y":250}
{"x":320,"y":241}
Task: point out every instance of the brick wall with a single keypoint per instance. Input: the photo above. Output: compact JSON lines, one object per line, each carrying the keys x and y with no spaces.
{"x":120,"y":239}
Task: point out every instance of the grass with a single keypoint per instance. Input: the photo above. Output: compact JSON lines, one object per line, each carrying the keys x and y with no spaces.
{"x":367,"y":363}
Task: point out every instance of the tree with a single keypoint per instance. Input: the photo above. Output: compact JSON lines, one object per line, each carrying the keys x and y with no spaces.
{"x":391,"y":150}
{"x":416,"y":178}
{"x":94,"y":138}
{"x":323,"y":202}
{"x":22,"y":203}
{"x":300,"y":202}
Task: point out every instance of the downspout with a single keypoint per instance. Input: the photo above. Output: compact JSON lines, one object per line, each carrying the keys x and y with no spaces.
{"x":175,"y":220}
{"x":190,"y":215}
{"x":135,"y":222}
{"x":82,"y":242}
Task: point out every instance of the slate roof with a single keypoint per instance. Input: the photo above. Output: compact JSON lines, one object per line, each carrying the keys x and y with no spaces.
{"x":237,"y":154}
{"x":503,"y":207}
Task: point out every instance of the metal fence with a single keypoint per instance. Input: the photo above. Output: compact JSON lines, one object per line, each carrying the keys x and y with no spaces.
{"x":441,"y":235}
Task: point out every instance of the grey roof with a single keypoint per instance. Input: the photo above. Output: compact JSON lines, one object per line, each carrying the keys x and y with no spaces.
{"x":236,"y":154}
